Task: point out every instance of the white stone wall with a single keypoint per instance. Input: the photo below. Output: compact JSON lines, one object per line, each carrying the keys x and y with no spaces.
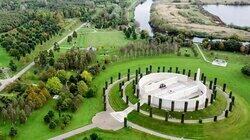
{"x":168,"y":79}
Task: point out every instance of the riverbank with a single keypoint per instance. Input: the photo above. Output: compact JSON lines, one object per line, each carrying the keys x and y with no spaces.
{"x":225,"y":2}
{"x":186,"y":17}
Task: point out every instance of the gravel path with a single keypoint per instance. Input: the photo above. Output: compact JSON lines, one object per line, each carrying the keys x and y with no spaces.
{"x":74,"y":132}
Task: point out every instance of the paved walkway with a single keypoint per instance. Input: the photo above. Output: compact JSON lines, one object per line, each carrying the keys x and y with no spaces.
{"x":203,"y":56}
{"x":74,"y":132}
{"x":6,"y":82}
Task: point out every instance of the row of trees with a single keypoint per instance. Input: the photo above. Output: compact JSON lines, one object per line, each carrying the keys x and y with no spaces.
{"x":11,"y":20}
{"x":52,"y":121}
{"x":232,"y":44}
{"x":38,"y":29}
{"x":141,"y":49}
{"x":75,"y":59}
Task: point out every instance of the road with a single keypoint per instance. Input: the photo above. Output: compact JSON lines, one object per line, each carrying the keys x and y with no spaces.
{"x":203,"y":56}
{"x":6,"y":82}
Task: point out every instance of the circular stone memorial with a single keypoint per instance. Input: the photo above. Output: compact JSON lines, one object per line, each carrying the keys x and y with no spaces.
{"x":173,"y":91}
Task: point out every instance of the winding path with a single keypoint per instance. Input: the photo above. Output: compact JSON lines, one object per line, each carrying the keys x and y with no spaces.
{"x":6,"y":82}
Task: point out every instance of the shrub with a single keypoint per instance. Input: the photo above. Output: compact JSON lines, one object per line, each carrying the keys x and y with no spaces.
{"x":13,"y":132}
{"x":246,"y":70}
{"x":94,"y":136}
{"x":52,"y":125}
{"x":187,"y":54}
{"x":178,"y":53}
{"x":90,"y":93}
{"x":48,"y":117}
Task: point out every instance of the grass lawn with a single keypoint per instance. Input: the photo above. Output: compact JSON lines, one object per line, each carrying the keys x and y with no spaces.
{"x":130,"y":93}
{"x":213,"y":110}
{"x":105,"y":40}
{"x":236,"y":126}
{"x":238,"y":122}
{"x":115,"y":99}
{"x":230,"y":57}
{"x":123,"y":134}
{"x":5,"y":58}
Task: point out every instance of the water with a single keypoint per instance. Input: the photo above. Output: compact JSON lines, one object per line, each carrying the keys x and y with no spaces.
{"x":142,"y":16}
{"x":230,"y":14}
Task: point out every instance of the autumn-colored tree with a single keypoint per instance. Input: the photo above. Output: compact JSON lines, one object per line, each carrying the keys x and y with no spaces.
{"x":86,"y":76}
{"x":82,"y":88}
{"x":54,"y":85}
{"x":62,"y":75}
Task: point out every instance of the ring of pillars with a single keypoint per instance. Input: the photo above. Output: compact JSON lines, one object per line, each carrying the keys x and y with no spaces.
{"x":213,"y":87}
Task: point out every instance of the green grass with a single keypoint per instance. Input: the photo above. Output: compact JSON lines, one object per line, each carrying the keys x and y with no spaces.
{"x":122,"y":134}
{"x":225,"y":128}
{"x":105,"y":40}
{"x":115,"y":99}
{"x":236,"y":123}
{"x":130,"y":93}
{"x":215,"y":109}
{"x":235,"y":58}
{"x":5,"y":58}
{"x":236,"y":126}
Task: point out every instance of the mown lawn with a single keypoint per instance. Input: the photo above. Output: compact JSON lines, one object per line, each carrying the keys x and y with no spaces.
{"x":105,"y":40}
{"x":237,"y":82}
{"x":5,"y":58}
{"x":115,"y":99}
{"x":123,"y":134}
{"x":236,"y":126}
{"x":130,"y":93}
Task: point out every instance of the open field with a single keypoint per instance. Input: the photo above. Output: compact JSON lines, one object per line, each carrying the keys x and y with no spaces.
{"x":91,"y":106}
{"x":186,"y":17}
{"x":123,"y":134}
{"x":5,"y":58}
{"x":104,"y":40}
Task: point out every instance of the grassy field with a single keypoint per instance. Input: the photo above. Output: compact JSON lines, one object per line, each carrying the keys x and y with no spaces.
{"x":123,"y":134}
{"x":130,"y":93}
{"x":5,"y":58}
{"x":115,"y":99}
{"x":215,"y":109}
{"x":238,"y":123}
{"x":104,"y":40}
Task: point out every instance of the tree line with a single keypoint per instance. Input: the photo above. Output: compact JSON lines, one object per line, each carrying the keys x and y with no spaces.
{"x":232,"y":44}
{"x":39,"y":29}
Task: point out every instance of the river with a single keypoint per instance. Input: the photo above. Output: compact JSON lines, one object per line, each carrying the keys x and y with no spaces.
{"x":142,"y":16}
{"x":231,"y":14}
